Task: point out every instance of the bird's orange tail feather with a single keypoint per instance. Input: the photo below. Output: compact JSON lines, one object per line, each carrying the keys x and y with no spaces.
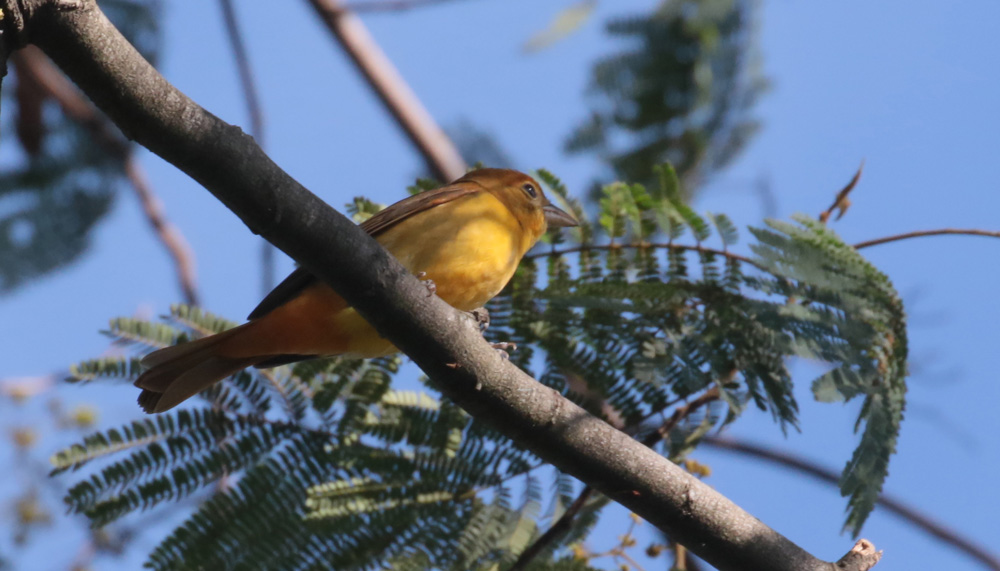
{"x":179,"y":372}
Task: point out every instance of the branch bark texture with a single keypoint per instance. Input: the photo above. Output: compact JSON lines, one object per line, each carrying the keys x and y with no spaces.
{"x":445,"y":343}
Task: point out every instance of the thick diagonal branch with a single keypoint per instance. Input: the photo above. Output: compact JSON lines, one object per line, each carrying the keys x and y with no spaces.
{"x":442,"y":341}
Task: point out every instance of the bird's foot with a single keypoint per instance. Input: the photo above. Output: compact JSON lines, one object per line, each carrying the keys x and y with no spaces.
{"x":429,"y":283}
{"x":504,"y":346}
{"x":482,"y":317}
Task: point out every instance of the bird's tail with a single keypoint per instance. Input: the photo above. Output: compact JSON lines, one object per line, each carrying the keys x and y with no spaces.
{"x":179,"y":372}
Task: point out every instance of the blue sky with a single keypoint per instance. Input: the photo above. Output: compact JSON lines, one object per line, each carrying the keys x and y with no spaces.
{"x":910,"y":88}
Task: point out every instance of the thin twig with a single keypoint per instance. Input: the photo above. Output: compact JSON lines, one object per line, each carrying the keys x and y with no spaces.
{"x":632,"y":563}
{"x":680,"y":413}
{"x":893,"y":505}
{"x":557,"y":530}
{"x":32,"y":61}
{"x":390,"y":5}
{"x":640,"y":246}
{"x":751,"y":261}
{"x":169,"y":235}
{"x":438,"y":151}
{"x":921,"y":233}
{"x":842,"y":202}
{"x":250,"y":96}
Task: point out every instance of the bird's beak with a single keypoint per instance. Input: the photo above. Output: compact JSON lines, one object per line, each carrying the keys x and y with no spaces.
{"x":555,"y":217}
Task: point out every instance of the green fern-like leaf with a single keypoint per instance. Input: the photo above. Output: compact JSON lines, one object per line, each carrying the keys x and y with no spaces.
{"x":727,"y":230}
{"x":584,"y":233}
{"x":199,"y":320}
{"x":856,"y":293}
{"x":109,"y":367}
{"x":422,"y":185}
{"x":334,"y":467}
{"x":362,"y":209}
{"x":144,"y":333}
{"x":138,"y":433}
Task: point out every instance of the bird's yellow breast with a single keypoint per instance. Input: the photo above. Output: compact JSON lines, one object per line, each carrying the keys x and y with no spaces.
{"x":469,"y":247}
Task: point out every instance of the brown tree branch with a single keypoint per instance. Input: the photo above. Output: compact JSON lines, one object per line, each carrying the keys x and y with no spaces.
{"x":891,"y":504}
{"x":442,"y":341}
{"x":440,"y":154}
{"x":921,"y":233}
{"x":390,"y":5}
{"x":169,"y":235}
{"x":33,"y":62}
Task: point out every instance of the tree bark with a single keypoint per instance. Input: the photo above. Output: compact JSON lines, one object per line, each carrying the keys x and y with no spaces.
{"x":445,"y":343}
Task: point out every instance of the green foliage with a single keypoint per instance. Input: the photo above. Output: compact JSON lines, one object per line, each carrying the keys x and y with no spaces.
{"x":326,"y":465}
{"x":111,"y":367}
{"x":127,"y":330}
{"x":65,"y":182}
{"x":195,"y":318}
{"x":558,"y":193}
{"x":846,"y":294}
{"x":681,"y":92}
{"x":362,"y":209}
{"x":422,"y":185}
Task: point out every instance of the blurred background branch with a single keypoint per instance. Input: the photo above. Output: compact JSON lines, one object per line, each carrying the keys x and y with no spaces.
{"x":256,"y":115}
{"x":34,"y":68}
{"x":442,"y":158}
{"x":897,"y":507}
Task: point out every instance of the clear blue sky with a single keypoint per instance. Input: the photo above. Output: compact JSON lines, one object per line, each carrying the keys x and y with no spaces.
{"x":911,"y":88}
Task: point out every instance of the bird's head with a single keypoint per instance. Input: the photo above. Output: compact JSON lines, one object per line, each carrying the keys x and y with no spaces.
{"x":523,"y":196}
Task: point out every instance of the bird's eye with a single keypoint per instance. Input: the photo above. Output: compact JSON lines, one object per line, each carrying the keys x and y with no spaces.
{"x":530,"y":189}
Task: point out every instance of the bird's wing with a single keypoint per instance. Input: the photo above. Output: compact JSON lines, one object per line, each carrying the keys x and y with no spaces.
{"x":396,"y":213}
{"x":386,"y":218}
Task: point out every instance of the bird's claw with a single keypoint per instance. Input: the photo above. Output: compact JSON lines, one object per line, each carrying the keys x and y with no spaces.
{"x":482,"y":317}
{"x":429,"y":283}
{"x":504,"y":346}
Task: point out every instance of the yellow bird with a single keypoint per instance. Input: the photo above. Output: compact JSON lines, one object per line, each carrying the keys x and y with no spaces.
{"x":467,"y":237}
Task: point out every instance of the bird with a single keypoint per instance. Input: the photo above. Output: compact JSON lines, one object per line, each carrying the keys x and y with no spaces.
{"x":467,"y":238}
